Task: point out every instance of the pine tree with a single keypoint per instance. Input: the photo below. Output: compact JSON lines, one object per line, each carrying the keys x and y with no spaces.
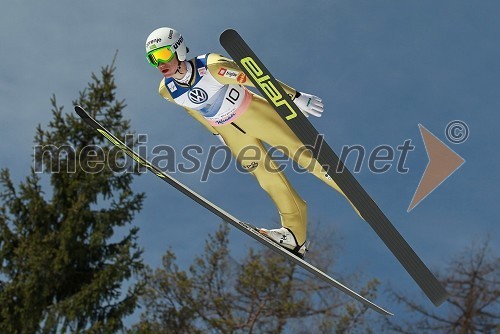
{"x":62,"y":265}
{"x":262,"y":294}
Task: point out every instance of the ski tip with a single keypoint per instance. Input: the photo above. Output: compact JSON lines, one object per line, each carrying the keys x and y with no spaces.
{"x":228,"y":33}
{"x":81,"y":112}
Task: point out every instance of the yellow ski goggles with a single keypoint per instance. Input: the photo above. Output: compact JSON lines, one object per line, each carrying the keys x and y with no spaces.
{"x":160,"y":55}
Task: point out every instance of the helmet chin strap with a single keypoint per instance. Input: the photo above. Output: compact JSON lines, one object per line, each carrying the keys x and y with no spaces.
{"x":179,"y":68}
{"x":179,"y":65}
{"x":187,"y":75}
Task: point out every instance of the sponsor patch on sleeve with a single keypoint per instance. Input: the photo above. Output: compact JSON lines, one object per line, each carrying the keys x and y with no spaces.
{"x":171,"y":86}
{"x":241,"y":78}
{"x":202,"y":71}
{"x":224,"y":72}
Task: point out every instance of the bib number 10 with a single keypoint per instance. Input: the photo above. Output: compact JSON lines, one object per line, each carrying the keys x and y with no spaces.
{"x":233,"y":96}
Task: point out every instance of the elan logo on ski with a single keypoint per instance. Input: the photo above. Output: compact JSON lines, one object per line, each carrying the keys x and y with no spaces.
{"x":266,"y":85}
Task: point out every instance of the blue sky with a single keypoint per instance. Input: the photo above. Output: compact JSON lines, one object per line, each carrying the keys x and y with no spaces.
{"x":380,"y":67}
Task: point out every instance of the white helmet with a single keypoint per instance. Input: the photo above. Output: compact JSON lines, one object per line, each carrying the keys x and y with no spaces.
{"x":169,"y":39}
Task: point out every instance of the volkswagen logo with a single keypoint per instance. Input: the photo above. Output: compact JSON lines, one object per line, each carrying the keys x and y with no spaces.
{"x":197,"y":95}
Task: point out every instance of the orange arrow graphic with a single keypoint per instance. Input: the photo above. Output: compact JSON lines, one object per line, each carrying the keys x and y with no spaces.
{"x":443,"y":162}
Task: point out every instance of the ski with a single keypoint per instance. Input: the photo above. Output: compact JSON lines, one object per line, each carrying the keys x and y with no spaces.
{"x":267,"y":85}
{"x":248,"y":229}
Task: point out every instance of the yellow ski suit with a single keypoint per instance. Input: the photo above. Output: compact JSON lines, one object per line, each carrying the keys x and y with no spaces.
{"x":216,"y":97}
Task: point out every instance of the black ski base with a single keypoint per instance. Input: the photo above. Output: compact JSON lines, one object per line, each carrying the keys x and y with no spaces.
{"x":264,"y":81}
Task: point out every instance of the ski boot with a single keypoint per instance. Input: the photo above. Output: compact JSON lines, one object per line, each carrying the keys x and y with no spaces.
{"x":286,"y":238}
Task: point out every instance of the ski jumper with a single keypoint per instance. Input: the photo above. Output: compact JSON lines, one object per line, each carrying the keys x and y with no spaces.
{"x":216,"y":97}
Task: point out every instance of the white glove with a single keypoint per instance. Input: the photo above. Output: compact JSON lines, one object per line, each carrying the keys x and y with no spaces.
{"x":309,"y":104}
